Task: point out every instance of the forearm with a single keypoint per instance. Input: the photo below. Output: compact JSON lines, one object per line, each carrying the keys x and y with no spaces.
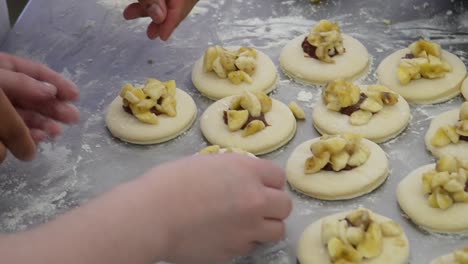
{"x":111,"y":229}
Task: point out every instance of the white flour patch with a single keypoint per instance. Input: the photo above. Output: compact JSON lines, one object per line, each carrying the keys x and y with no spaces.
{"x":304,"y":96}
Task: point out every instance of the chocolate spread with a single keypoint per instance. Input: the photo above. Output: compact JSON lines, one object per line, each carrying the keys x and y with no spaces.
{"x":329,"y":167}
{"x":349,"y":110}
{"x":250,"y":119}
{"x":310,"y":49}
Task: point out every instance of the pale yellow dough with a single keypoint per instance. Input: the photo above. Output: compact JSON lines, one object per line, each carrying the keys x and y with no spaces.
{"x":423,"y":91}
{"x":311,"y":250}
{"x":413,"y":201}
{"x":464,"y":89}
{"x":126,"y":127}
{"x":209,"y":84}
{"x":282,"y":127}
{"x":350,"y":65}
{"x":459,"y":150}
{"x":330,"y":185}
{"x":384,"y":125}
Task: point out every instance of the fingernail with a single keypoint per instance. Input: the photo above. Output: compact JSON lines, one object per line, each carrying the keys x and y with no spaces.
{"x":156,"y":13}
{"x":50,"y":89}
{"x":71,"y":112}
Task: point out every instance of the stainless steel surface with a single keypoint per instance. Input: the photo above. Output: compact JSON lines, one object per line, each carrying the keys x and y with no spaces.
{"x":89,"y":42}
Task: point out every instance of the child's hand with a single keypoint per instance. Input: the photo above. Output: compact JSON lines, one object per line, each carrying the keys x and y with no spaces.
{"x":166,"y":15}
{"x":33,"y":101}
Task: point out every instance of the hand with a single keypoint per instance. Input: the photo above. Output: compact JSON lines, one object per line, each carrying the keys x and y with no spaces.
{"x":166,"y":15}
{"x":218,"y":206}
{"x":33,"y":100}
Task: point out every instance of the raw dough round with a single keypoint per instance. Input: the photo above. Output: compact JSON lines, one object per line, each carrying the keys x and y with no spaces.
{"x":384,"y":125}
{"x":351,"y":65}
{"x":464,"y":89}
{"x":330,"y":185}
{"x":414,"y":203}
{"x":459,"y":150}
{"x":423,"y":91}
{"x":126,"y":127}
{"x":209,"y":84}
{"x":311,"y":250}
{"x":281,"y":129}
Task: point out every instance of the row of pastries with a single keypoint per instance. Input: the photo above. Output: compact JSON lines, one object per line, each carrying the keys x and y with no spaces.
{"x":346,"y":161}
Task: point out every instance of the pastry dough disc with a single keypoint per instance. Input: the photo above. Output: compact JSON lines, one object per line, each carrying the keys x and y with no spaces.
{"x":127,"y":128}
{"x":209,"y":84}
{"x":459,"y":150}
{"x":350,"y":65}
{"x":311,"y":250}
{"x":330,"y":185}
{"x":414,"y":203}
{"x":464,"y":89}
{"x":384,"y":125}
{"x":423,"y":91}
{"x":282,"y":127}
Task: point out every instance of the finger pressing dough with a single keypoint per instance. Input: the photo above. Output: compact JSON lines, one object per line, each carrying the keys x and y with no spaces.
{"x":449,"y":118}
{"x":264,"y":79}
{"x":423,"y":91}
{"x":332,"y":185}
{"x":464,"y":89}
{"x":312,"y":250}
{"x":127,"y":128}
{"x":414,"y":202}
{"x":280,"y":129}
{"x":350,"y":65}
{"x":384,"y":125}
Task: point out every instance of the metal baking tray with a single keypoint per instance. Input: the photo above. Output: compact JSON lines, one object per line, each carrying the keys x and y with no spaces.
{"x":89,"y":42}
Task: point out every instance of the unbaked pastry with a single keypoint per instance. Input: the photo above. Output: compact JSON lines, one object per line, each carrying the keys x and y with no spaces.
{"x":464,"y":89}
{"x":349,"y":64}
{"x":423,"y":88}
{"x":263,"y":77}
{"x":394,"y":245}
{"x":280,"y":127}
{"x":459,"y":256}
{"x":444,"y":136}
{"x":426,"y":209}
{"x":341,"y":184}
{"x":127,"y":127}
{"x":387,"y":123}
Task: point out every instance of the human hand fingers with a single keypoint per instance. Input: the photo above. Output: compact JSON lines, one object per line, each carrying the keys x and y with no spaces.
{"x":270,"y":174}
{"x":177,"y":10}
{"x":278,"y":205}
{"x":3,"y":152}
{"x":270,"y":231}
{"x":65,"y":89}
{"x":156,"y":9}
{"x":40,"y":126}
{"x":153,"y":30}
{"x":30,"y":94}
{"x":13,"y":133}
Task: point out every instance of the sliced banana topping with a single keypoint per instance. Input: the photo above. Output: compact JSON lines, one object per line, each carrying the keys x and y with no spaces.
{"x":238,"y":66}
{"x":336,"y":153}
{"x":424,"y":61}
{"x":154,"y":99}
{"x":297,"y":111}
{"x":247,"y":112}
{"x":447,"y":184}
{"x":347,"y":98}
{"x":451,"y":134}
{"x":358,"y":237}
{"x":324,"y":41}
